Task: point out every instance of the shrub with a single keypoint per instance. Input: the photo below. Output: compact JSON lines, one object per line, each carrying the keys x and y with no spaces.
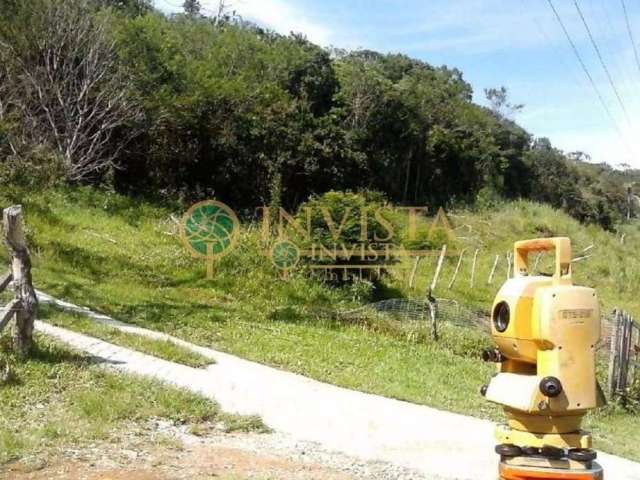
{"x":347,"y":228}
{"x":40,"y":169}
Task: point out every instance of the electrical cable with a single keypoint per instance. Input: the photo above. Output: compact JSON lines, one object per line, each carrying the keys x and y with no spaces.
{"x":588,"y":74}
{"x":630,"y":32}
{"x":602,"y":62}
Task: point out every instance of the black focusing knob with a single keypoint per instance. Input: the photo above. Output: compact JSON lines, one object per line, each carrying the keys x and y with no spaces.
{"x":492,"y":355}
{"x":550,"y":387}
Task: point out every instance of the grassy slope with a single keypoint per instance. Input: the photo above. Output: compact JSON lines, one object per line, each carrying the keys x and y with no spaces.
{"x":59,"y":399}
{"x":124,"y":258}
{"x":613,"y":268}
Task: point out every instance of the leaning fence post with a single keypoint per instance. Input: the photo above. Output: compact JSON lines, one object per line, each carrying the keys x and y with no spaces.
{"x":455,"y":273}
{"x":535,"y":264}
{"x":412,"y":278}
{"x":434,"y":282}
{"x":22,"y":282}
{"x":493,"y":269}
{"x":473,"y":267}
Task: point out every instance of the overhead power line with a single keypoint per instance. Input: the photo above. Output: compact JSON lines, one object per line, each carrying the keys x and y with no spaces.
{"x":602,"y":62}
{"x":584,"y":68}
{"x":544,"y":35}
{"x":630,"y":32}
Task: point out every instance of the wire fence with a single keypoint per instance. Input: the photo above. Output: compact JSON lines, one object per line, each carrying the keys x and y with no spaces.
{"x":412,"y":315}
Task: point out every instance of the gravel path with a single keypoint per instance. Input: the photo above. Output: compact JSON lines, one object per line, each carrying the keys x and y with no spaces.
{"x":437,"y":444}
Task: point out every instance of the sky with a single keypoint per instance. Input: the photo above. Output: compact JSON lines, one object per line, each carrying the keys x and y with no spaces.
{"x":518,"y":44}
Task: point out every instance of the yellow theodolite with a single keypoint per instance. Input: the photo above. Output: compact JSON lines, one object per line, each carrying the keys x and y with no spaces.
{"x":546,"y":330}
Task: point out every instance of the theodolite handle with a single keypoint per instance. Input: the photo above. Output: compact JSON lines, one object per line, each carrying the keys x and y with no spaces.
{"x":562,"y":247}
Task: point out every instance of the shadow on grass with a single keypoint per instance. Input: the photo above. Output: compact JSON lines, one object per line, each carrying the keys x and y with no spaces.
{"x":326,"y":318}
{"x":150,"y":314}
{"x":385,"y":292}
{"x":48,"y":353}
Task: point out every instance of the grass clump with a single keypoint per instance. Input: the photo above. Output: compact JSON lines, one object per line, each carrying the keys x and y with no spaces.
{"x":60,"y":399}
{"x":164,"y":349}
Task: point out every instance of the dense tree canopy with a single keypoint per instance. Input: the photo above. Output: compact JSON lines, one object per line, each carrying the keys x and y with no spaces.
{"x":231,"y":110}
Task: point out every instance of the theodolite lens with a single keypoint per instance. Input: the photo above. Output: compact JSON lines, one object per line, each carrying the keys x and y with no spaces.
{"x":501,"y":316}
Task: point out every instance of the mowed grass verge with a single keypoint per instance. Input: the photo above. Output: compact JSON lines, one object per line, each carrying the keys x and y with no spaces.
{"x":164,"y":349}
{"x":123,"y":257}
{"x":59,"y":399}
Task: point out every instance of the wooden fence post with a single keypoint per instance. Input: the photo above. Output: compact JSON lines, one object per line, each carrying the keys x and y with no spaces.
{"x":25,"y":295}
{"x":455,"y":273}
{"x":493,"y":270}
{"x":412,"y":278}
{"x":613,"y":354}
{"x":534,"y":270}
{"x":433,"y":313}
{"x":623,"y":364}
{"x":634,"y":348}
{"x":626,"y":350}
{"x":473,"y":267}
{"x":434,"y":282}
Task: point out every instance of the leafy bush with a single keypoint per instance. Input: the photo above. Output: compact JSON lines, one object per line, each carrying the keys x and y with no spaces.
{"x":350,"y":218}
{"x":347,"y":228}
{"x":426,"y":237}
{"x":40,"y":169}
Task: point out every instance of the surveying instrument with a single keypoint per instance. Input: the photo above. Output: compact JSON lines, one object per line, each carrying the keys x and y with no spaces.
{"x":546,"y":330}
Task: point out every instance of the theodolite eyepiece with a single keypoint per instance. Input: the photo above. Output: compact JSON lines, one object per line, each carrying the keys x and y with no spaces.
{"x":545,"y":329}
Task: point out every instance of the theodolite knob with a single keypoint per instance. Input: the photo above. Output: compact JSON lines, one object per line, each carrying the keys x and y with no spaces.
{"x":550,"y":387}
{"x":492,"y":355}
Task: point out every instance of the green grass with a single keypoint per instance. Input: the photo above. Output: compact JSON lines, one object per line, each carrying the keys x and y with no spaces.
{"x":613,"y":268}
{"x":164,"y":349}
{"x":123,"y":257}
{"x":59,"y":399}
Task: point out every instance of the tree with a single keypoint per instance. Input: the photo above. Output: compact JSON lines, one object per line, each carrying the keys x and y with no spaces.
{"x":66,"y":85}
{"x":499,"y":102}
{"x":132,"y":8}
{"x":192,"y":7}
{"x":251,"y":116}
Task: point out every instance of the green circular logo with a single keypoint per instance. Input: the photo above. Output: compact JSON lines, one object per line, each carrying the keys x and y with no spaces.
{"x":209,"y":229}
{"x":285,"y":255}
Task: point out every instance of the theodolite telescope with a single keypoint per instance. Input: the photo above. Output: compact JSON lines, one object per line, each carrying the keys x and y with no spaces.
{"x":546,"y":330}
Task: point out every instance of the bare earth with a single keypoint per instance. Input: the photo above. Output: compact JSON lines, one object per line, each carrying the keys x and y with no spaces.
{"x":163,"y":451}
{"x":196,"y":462}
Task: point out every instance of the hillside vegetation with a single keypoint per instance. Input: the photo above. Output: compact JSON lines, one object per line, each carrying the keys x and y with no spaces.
{"x":611,"y":266}
{"x":197,"y":107}
{"x":114,"y":118}
{"x":124,"y":258}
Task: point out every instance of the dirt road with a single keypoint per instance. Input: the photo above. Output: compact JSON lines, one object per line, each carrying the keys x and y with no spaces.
{"x":438,"y":444}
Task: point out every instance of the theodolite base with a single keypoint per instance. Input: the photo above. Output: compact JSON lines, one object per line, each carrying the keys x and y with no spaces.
{"x":505,"y":434}
{"x":537,"y":468}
